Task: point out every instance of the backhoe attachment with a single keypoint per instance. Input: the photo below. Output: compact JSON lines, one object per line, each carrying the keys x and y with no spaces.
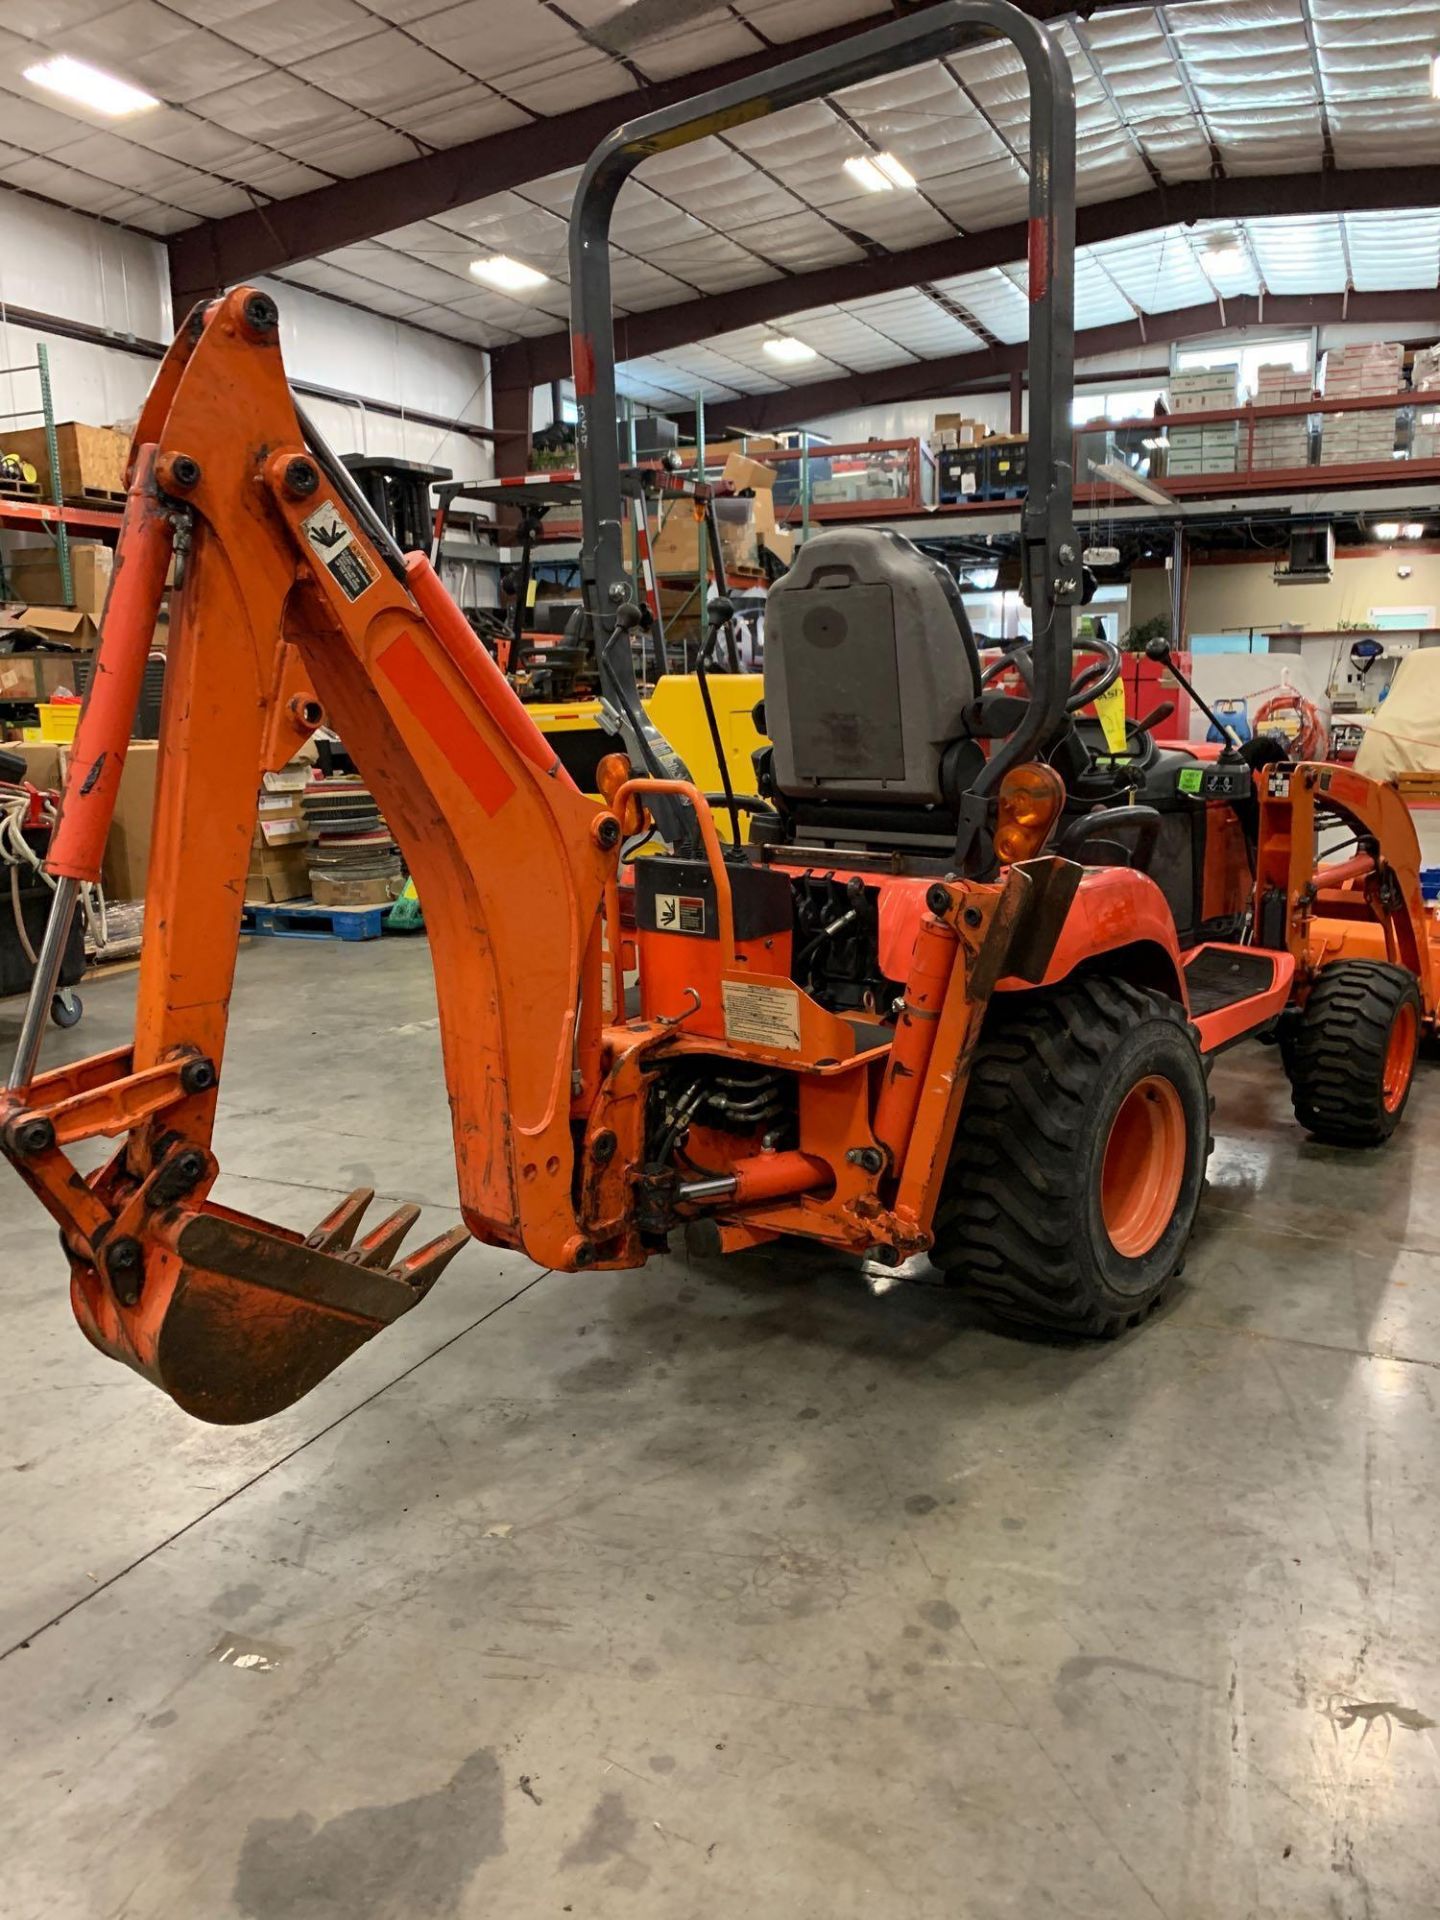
{"x":291,"y":608}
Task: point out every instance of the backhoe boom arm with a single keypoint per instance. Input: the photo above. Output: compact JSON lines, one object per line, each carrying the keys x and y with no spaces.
{"x":286,"y":613}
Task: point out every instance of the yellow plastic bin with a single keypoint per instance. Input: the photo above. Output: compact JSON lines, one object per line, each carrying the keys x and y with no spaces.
{"x":59,"y":719}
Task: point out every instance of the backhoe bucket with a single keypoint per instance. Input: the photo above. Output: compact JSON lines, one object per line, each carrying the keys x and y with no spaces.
{"x":236,"y":1320}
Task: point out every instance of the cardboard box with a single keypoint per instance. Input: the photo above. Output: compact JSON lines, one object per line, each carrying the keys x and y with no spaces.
{"x":92,"y":459}
{"x":33,"y":676}
{"x":745,"y":474}
{"x":34,"y":574}
{"x":280,"y":821}
{"x":277,"y":874}
{"x":42,"y":762}
{"x":294,"y":776}
{"x":127,"y":851}
{"x":676,"y":547}
{"x":61,"y":626}
{"x":354,"y":893}
{"x":717,"y":452}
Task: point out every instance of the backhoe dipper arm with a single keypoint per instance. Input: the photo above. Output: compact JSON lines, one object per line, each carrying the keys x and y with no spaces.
{"x":287,"y":612}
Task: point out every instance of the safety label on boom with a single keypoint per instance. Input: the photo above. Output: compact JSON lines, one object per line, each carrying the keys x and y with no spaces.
{"x":333,"y":543}
{"x":761,"y":1016}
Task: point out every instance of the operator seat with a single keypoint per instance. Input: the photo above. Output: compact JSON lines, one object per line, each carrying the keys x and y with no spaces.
{"x":870,"y":666}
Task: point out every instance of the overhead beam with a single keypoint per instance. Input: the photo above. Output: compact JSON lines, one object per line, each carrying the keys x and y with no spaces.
{"x":1360,"y":190}
{"x":933,"y":379}
{"x":219,"y":253}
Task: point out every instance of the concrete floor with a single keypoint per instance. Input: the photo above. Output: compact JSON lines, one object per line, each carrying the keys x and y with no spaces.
{"x":730,"y":1590}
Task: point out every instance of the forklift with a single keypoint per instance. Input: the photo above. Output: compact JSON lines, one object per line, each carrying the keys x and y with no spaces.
{"x":957,"y":995}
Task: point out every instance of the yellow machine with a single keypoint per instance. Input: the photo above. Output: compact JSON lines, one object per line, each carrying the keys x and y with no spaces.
{"x":573,"y":729}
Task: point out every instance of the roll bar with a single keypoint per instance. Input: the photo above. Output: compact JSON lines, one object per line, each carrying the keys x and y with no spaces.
{"x":1051,"y":570}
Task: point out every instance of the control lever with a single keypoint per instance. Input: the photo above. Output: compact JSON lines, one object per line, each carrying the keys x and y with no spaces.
{"x":1159,"y":649}
{"x":1154,"y":717}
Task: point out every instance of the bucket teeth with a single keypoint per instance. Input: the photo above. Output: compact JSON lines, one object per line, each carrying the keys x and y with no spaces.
{"x":336,"y":1231}
{"x":425,"y":1266}
{"x":382,"y":1243}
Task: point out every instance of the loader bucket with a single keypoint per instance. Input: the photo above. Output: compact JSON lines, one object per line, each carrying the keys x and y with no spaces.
{"x":237,"y":1320}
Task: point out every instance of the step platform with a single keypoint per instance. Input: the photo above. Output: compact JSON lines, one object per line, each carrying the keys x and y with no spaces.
{"x":306,"y":921}
{"x":1234,"y":991}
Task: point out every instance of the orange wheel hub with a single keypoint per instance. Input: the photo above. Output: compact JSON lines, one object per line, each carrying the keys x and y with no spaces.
{"x":1144,"y":1166}
{"x":1400,"y":1056}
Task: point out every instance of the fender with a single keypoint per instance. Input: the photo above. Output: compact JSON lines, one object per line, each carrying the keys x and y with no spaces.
{"x":1115,"y":911}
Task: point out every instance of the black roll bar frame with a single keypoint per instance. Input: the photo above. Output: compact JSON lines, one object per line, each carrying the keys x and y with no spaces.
{"x":1051,"y":553}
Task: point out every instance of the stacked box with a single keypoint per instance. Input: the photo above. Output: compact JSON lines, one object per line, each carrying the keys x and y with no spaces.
{"x":957,"y":430}
{"x":1360,"y":439}
{"x":1425,"y":378}
{"x":280,"y":846}
{"x":1210,"y":448}
{"x":1285,"y":442}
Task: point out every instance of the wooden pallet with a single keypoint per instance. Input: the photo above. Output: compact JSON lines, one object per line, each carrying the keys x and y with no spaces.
{"x":306,"y":921}
{"x":1418,"y":786}
{"x":95,"y":497}
{"x":13,"y":489}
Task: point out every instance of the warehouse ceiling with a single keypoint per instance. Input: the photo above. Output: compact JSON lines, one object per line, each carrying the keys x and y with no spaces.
{"x":263,"y":100}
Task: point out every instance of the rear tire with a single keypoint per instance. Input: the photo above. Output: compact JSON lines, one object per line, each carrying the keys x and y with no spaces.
{"x":1080,"y":1157}
{"x":1350,"y":1053}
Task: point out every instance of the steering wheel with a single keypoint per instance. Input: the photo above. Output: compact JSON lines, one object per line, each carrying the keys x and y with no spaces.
{"x":1093,"y":679}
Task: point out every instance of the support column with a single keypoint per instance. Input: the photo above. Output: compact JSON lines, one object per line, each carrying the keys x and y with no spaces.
{"x":1177,"y":585}
{"x":511,"y":409}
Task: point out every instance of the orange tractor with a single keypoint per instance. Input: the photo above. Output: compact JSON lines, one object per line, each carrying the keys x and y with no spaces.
{"x":957,"y":994}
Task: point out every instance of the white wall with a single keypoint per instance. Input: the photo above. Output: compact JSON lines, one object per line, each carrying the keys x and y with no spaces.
{"x":375,"y":358}
{"x":79,"y":269}
{"x":82,"y":269}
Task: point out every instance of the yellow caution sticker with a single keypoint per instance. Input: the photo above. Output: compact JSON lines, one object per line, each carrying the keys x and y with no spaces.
{"x":530,"y":591}
{"x":1110,"y":712}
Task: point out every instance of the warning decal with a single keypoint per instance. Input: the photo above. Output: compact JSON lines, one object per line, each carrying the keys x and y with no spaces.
{"x":761,"y":1016}
{"x":679,"y":913}
{"x":333,"y":543}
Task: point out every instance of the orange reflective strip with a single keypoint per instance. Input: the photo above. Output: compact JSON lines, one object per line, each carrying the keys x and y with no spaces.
{"x":438,"y":711}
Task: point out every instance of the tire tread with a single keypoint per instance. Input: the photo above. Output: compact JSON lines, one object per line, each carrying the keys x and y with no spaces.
{"x":1004,"y":1228}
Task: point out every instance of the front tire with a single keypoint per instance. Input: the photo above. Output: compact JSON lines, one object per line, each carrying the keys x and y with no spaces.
{"x":1351,"y":1052}
{"x":1080,"y":1156}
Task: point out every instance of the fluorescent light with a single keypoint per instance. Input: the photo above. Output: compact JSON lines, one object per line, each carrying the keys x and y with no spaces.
{"x":1387,"y":530}
{"x":879,"y":173}
{"x":791,"y":351}
{"x":511,"y":276}
{"x":89,"y":87}
{"x":897,"y":175}
{"x":1435,"y":76}
{"x":864,"y":172}
{"x":1413,"y":530}
{"x":1150,"y":491}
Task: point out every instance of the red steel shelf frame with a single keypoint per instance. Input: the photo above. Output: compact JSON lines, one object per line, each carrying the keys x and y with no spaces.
{"x":36,"y":515}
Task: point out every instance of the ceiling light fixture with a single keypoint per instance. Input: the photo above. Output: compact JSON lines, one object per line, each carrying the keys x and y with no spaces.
{"x":898,"y":175}
{"x":1435,"y":75}
{"x":1413,"y":530}
{"x":511,"y":276}
{"x":1386,"y":530}
{"x":792,"y":351}
{"x":879,"y":173}
{"x":87,"y":86}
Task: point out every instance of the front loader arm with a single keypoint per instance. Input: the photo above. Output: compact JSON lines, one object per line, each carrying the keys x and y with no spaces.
{"x":287,"y":612}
